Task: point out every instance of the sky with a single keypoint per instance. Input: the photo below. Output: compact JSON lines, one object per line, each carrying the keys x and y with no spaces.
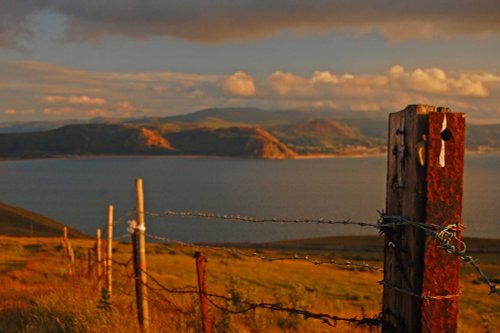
{"x":79,"y":59}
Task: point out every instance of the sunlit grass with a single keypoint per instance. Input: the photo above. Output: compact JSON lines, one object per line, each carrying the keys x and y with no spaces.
{"x":38,"y":295}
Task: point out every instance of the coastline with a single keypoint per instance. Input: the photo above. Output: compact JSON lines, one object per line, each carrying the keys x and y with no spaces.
{"x":222,"y":157}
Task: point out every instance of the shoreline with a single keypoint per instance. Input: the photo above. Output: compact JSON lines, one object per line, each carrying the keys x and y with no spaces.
{"x":219,"y":157}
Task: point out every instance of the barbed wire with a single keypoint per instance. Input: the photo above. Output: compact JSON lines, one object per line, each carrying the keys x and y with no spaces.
{"x":250,"y":219}
{"x":328,"y":319}
{"x":295,"y":257}
{"x":325,"y":318}
{"x":445,"y":236}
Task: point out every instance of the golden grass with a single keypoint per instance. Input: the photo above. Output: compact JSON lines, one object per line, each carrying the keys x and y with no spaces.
{"x":38,"y":295}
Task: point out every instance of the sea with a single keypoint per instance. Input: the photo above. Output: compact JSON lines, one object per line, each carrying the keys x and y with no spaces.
{"x":77,"y":192}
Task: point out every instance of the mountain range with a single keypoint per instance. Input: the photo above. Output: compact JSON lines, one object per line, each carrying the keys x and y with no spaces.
{"x":244,"y":132}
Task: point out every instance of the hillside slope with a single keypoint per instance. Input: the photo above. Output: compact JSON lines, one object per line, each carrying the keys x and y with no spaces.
{"x":102,"y":139}
{"x":319,"y":135}
{"x":16,"y":221}
{"x":230,"y":141}
{"x":84,"y":140}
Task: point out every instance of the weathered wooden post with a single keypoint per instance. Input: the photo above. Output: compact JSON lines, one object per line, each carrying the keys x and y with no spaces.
{"x":68,"y":249}
{"x":89,"y":263}
{"x":424,"y":184}
{"x":98,"y":256}
{"x":109,"y":255}
{"x":201,"y":261}
{"x":139,"y":243}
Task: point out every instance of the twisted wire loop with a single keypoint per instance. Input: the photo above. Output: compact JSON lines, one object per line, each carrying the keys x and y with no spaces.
{"x":124,"y":217}
{"x":328,"y":319}
{"x":263,"y":257}
{"x":448,"y":241}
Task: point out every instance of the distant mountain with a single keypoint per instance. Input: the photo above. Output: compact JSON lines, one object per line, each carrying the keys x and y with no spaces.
{"x":105,"y":139}
{"x":249,"y":132}
{"x":84,"y":140}
{"x":320,"y":136}
{"x":231,"y":141}
{"x":35,"y":126}
{"x":239,"y":115}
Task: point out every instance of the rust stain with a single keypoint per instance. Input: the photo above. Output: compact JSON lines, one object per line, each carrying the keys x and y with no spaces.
{"x":444,"y":207}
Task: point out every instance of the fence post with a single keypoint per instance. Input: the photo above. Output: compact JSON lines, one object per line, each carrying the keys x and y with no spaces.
{"x":68,"y":249}
{"x":424,"y":184}
{"x":89,"y":263}
{"x":109,"y":255}
{"x":139,"y":253}
{"x":201,"y":261}
{"x":98,"y":256}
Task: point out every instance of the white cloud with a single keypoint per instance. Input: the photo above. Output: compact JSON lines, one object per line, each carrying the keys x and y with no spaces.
{"x":240,"y":84}
{"x":70,"y":93}
{"x":82,"y":100}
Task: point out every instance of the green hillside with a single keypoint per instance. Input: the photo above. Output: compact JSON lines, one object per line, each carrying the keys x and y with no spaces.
{"x":21,"y":222}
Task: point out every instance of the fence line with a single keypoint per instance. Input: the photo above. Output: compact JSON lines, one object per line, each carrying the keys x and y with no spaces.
{"x":444,"y":235}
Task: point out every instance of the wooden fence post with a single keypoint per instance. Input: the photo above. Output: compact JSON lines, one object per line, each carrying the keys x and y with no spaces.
{"x":98,"y":256}
{"x":109,"y":255}
{"x":139,"y":243}
{"x":202,"y":289}
{"x":424,"y":184}
{"x":68,"y":249}
{"x":89,"y":263}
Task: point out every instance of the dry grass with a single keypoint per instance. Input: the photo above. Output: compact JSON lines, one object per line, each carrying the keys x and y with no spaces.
{"x":38,"y":295}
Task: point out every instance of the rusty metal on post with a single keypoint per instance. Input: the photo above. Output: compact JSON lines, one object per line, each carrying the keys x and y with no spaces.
{"x":98,"y":257}
{"x":139,"y":253}
{"x":201,"y":261}
{"x":424,"y":184}
{"x":109,"y":253}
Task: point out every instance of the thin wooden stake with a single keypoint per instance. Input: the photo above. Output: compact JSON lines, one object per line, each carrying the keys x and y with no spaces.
{"x":109,"y":255}
{"x":202,"y":289}
{"x":98,"y":258}
{"x":89,"y":263}
{"x":68,"y":250}
{"x":139,"y":243}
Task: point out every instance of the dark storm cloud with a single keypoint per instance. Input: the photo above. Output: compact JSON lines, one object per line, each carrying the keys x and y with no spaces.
{"x":223,"y":20}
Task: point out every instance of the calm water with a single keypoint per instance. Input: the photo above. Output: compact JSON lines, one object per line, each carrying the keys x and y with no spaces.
{"x":77,"y":191}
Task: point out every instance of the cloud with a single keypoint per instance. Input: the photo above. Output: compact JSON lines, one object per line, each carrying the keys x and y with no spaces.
{"x":82,"y":100}
{"x":435,"y":80}
{"x":240,"y":84}
{"x":432,"y":81}
{"x":223,"y":20}
{"x":10,"y":112}
{"x":58,"y":111}
{"x":62,"y":92}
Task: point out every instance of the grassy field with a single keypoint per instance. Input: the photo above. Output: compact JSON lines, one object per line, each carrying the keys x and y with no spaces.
{"x":38,"y":295}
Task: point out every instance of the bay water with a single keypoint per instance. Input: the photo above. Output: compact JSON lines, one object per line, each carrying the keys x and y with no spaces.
{"x":77,"y":192}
